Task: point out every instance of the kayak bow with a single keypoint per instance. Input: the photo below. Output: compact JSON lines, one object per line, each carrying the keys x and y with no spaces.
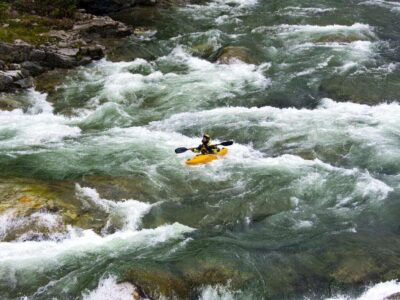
{"x":206,"y":158}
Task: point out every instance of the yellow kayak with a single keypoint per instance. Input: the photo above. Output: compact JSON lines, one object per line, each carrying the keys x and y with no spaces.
{"x":206,"y":158}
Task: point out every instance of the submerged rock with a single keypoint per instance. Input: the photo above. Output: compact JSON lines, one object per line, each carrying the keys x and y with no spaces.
{"x":231,"y":54}
{"x":184,"y":282}
{"x":34,"y":209}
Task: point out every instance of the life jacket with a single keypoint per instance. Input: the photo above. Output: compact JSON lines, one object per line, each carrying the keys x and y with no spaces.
{"x":207,"y":148}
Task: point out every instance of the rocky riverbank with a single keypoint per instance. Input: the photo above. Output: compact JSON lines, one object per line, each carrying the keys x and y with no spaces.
{"x":66,"y":48}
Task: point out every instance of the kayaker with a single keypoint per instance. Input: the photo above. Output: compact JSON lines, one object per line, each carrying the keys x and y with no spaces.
{"x":205,"y":147}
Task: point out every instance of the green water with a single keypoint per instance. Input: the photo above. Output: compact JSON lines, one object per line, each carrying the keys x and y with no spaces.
{"x":304,"y":206}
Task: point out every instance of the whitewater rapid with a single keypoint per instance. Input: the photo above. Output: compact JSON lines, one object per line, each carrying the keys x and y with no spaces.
{"x":307,"y":192}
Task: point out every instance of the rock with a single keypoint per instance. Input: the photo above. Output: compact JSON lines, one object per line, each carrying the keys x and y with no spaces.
{"x":48,"y":81}
{"x":102,"y":26}
{"x":33,"y":68}
{"x":65,"y":49}
{"x":14,"y":74}
{"x":203,"y":50}
{"x":14,"y":67}
{"x":60,"y":60}
{"x":15,"y":53}
{"x":2,"y":65}
{"x":68,"y":51}
{"x":37,"y":55}
{"x":95,"y":52}
{"x":5,"y":81}
{"x":60,"y":34}
{"x":25,"y":83}
{"x":85,"y":60}
{"x":9,"y":104}
{"x":156,"y":282}
{"x":231,"y":54}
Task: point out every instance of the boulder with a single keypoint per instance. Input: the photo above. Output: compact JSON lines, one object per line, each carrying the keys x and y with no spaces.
{"x":5,"y":81}
{"x":33,"y":68}
{"x":15,"y":53}
{"x":25,"y":83}
{"x":9,"y":104}
{"x":60,"y":59}
{"x":101,"y":26}
{"x":231,"y":54}
{"x":37,"y":55}
{"x":94,"y":52}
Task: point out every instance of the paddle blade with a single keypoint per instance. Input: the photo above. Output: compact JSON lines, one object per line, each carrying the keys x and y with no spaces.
{"x":228,"y":143}
{"x":181,"y":150}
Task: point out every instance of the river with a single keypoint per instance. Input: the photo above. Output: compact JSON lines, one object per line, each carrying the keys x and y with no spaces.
{"x":304,"y":206}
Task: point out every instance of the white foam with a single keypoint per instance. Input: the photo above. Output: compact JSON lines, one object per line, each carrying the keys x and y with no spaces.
{"x":131,"y":211}
{"x":218,"y":292}
{"x":39,"y":103}
{"x":39,"y":126}
{"x":10,"y":222}
{"x":23,"y":254}
{"x":307,"y":31}
{"x":303,"y":224}
{"x":377,"y":292}
{"x":202,"y":80}
{"x":303,"y":11}
{"x":213,"y":9}
{"x":109,"y":289}
{"x":391,"y":5}
{"x":368,"y":186}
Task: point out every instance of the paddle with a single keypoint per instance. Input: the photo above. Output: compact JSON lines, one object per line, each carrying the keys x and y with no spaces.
{"x":183,"y":149}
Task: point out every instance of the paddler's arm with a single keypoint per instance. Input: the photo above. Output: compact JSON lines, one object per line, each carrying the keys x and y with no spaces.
{"x":196,"y":150}
{"x":214,"y":148}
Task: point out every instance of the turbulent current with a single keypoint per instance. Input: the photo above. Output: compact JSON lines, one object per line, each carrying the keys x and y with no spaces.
{"x":94,"y":201}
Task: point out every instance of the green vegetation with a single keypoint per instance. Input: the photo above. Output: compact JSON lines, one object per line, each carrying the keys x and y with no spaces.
{"x":18,"y":22}
{"x":48,"y":8}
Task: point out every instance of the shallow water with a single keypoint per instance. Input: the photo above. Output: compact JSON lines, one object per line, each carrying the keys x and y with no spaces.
{"x":305,"y":205}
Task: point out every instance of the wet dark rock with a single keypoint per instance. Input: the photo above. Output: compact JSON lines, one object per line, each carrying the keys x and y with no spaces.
{"x":29,"y":61}
{"x":33,"y":68}
{"x":38,"y":55}
{"x":101,"y":26}
{"x":156,"y":282}
{"x":94,"y":52}
{"x":182,"y":282}
{"x":14,"y":67}
{"x":25,"y":83}
{"x":15,"y":53}
{"x":232,"y":54}
{"x":9,"y":104}
{"x":5,"y":81}
{"x":68,"y":49}
{"x":60,"y":59}
{"x":202,"y":50}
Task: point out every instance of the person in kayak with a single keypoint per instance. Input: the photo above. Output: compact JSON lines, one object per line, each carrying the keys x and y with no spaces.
{"x":205,"y":147}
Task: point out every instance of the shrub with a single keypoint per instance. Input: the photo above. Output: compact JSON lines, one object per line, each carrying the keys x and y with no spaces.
{"x":4,"y":8}
{"x":50,"y":8}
